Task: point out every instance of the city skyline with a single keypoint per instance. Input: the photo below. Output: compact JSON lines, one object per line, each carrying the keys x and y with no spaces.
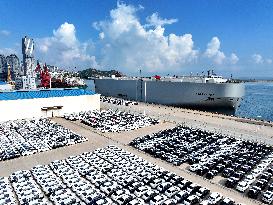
{"x":232,"y":37}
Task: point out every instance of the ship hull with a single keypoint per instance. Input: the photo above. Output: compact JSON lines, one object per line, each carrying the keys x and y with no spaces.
{"x":182,"y":94}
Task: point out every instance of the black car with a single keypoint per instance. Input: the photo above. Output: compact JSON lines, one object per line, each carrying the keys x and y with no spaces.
{"x":227,"y":172}
{"x":267,"y":176}
{"x":254,"y":192}
{"x":231,"y":182}
{"x":202,"y":192}
{"x":211,"y":174}
{"x":202,"y":171}
{"x":238,"y":175}
{"x":220,"y":167}
{"x":181,"y":196}
{"x":262,"y":183}
{"x":270,"y":188}
{"x":193,"y":188}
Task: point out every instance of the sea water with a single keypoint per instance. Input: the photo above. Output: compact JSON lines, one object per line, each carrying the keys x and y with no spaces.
{"x":257,"y":102}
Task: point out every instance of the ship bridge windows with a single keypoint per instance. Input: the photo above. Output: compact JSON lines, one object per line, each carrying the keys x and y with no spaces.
{"x":210,"y":94}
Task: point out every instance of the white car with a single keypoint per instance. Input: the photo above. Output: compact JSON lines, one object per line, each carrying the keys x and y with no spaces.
{"x":205,"y":202}
{"x":267,"y":197}
{"x":104,"y":201}
{"x":228,"y":200}
{"x":124,"y":198}
{"x":146,"y":196}
{"x":172,"y":191}
{"x":141,"y":190}
{"x":136,"y":202}
{"x":109,"y":186}
{"x":169,"y":202}
{"x":250,"y":179}
{"x":116,"y":195}
{"x":192,"y":199}
{"x":159,"y":199}
{"x":195,"y":167}
{"x":242,"y":186}
{"x":215,"y":197}
{"x":256,"y":172}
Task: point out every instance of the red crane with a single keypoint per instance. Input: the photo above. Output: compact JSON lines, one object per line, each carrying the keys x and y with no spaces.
{"x":44,"y":76}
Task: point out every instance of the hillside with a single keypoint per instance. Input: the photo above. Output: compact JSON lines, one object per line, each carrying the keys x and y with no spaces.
{"x":91,"y":73}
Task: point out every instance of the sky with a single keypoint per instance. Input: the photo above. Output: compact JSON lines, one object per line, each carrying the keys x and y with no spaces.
{"x":157,"y":36}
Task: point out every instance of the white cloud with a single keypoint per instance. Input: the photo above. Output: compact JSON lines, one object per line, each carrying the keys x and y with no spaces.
{"x":257,"y":58}
{"x":155,"y":20}
{"x":64,"y":49}
{"x":233,"y":58}
{"x":101,"y":35}
{"x":128,"y":45}
{"x":213,"y":51}
{"x":5,"y":32}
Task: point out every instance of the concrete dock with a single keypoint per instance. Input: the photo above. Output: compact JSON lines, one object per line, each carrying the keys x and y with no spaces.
{"x":227,"y":125}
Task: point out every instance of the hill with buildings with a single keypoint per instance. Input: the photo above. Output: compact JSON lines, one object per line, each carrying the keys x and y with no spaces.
{"x":94,"y":73}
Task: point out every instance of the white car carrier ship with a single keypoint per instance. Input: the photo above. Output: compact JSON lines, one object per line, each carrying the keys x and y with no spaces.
{"x":209,"y":91}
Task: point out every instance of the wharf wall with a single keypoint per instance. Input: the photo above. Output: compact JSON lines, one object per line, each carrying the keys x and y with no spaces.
{"x":44,"y":107}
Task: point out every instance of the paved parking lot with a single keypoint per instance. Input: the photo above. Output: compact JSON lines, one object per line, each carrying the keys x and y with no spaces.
{"x":171,"y":117}
{"x":98,"y":140}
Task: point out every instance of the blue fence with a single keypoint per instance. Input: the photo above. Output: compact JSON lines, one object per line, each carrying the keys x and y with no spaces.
{"x":16,"y":95}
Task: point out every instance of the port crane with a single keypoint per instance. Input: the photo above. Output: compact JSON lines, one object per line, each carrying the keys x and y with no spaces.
{"x":44,"y":76}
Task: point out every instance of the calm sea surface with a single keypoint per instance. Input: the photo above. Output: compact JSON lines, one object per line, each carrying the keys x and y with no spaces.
{"x":257,"y":103}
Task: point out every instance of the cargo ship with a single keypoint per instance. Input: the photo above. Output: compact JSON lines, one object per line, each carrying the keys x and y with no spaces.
{"x":206,"y":91}
{"x":68,"y":82}
{"x":57,"y":80}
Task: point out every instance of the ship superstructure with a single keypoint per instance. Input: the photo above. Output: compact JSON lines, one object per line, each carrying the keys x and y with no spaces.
{"x":210,"y":91}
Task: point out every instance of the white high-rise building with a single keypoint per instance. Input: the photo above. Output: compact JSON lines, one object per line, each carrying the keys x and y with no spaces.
{"x":27,"y":82}
{"x":28,"y":56}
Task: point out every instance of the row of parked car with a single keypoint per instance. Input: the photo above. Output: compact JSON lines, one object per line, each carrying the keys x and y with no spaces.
{"x":257,"y":183}
{"x":112,"y":120}
{"x":243,"y":162}
{"x":117,"y":101}
{"x":26,"y":137}
{"x":180,"y":144}
{"x":108,"y":176}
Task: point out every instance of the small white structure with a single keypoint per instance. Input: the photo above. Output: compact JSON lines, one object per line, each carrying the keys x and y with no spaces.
{"x":46,"y":103}
{"x":25,"y":83}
